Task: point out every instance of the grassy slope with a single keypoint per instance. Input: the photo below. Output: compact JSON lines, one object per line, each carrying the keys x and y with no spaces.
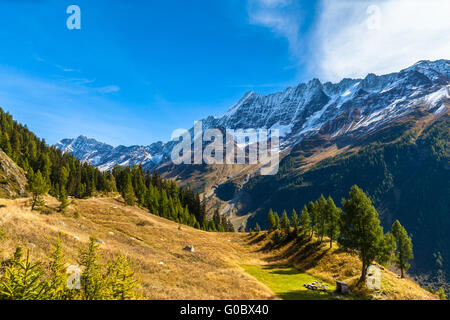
{"x":287,"y":282}
{"x":213,"y":271}
{"x":319,"y":261}
{"x":406,"y":174}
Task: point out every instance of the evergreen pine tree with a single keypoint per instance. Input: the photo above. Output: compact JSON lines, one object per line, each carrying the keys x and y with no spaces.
{"x":216,"y":217}
{"x":271,"y":220}
{"x":404,"y":250}
{"x":285,"y":223}
{"x":441,"y":294}
{"x":257,"y":229}
{"x":294,"y":221}
{"x":387,"y":249}
{"x":305,"y":222}
{"x":277,"y":220}
{"x":22,"y":279}
{"x":57,"y":283}
{"x":314,"y":216}
{"x":321,"y":216}
{"x":92,"y":281}
{"x":332,"y":220}
{"x":121,"y":282}
{"x":38,"y":187}
{"x":128,"y":192}
{"x":361,"y":230}
{"x":64,"y":202}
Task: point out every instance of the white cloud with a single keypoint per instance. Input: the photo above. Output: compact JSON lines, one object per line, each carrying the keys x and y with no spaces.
{"x":282,"y":17}
{"x":354,"y":38}
{"x":57,"y":109}
{"x":351,"y":38}
{"x":109,"y":89}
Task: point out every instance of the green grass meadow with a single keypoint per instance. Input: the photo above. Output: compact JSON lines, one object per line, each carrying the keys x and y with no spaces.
{"x":287,"y":282}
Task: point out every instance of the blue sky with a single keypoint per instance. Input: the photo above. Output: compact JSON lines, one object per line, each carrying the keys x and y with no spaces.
{"x":137,"y":70}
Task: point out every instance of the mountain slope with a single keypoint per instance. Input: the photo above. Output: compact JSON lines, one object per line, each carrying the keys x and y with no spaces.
{"x":352,"y":107}
{"x":406,"y":173}
{"x":12,"y":178}
{"x":155,"y":248}
{"x":153,"y":244}
{"x":389,"y":134}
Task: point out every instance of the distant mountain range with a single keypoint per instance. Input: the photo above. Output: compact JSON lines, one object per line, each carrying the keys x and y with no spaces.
{"x":350,"y":107}
{"x":389,"y":134}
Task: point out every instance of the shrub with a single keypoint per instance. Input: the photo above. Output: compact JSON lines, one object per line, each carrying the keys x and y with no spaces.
{"x":441,"y":294}
{"x":22,"y":279}
{"x":26,"y":280}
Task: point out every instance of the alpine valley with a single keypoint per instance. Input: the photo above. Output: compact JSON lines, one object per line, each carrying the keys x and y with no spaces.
{"x":389,"y":134}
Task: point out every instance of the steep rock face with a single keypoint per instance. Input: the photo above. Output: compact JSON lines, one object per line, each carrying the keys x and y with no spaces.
{"x":352,"y":107}
{"x":12,"y":178}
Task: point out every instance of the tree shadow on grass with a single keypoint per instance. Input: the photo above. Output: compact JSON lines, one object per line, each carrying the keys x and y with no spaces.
{"x":302,"y":293}
{"x":302,"y":249}
{"x":306,"y":295}
{"x":256,"y":239}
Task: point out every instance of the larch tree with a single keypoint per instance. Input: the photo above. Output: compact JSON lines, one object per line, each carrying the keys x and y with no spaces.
{"x":361,"y":229}
{"x":38,"y":186}
{"x":128,"y":192}
{"x":314,"y":216}
{"x":285,"y":223}
{"x":294,"y":221}
{"x":277,"y":220}
{"x":257,"y":228}
{"x":321,"y":216}
{"x":404,"y":248}
{"x":271,"y":220}
{"x":64,"y":202}
{"x":332,"y":220}
{"x":305,"y":222}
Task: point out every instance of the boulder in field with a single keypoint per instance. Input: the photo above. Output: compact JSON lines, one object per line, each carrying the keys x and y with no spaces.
{"x":189,"y":248}
{"x":342,"y":287}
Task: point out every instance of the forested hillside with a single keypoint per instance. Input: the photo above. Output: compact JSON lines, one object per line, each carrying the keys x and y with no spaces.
{"x":406,"y":173}
{"x":62,"y":175}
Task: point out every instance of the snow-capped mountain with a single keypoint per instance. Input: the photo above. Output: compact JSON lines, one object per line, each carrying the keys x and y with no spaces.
{"x":374,"y":100}
{"x":352,"y":106}
{"x":105,"y":157}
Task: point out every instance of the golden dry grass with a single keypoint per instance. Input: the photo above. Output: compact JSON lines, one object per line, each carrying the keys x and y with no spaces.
{"x":318,"y":260}
{"x":213,"y":271}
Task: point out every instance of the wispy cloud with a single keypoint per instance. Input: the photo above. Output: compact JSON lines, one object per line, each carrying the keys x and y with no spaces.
{"x":351,"y":38}
{"x":57,"y":66}
{"x":354,"y":38}
{"x":282,"y":17}
{"x":108,"y":89}
{"x":57,"y":109}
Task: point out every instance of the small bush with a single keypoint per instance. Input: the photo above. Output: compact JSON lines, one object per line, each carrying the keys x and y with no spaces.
{"x":441,"y":294}
{"x":23,"y":279}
